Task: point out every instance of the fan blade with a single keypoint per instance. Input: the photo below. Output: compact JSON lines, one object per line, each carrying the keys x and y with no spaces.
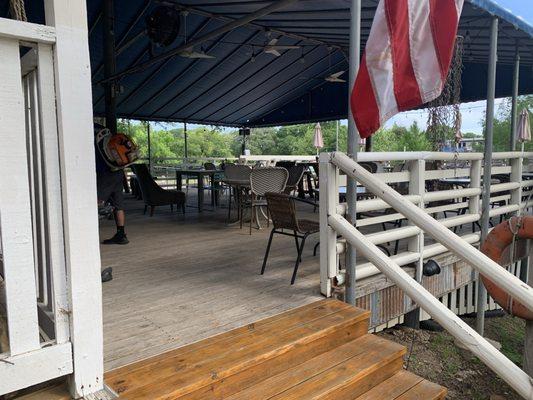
{"x":195,"y":54}
{"x":281,"y":47}
{"x":272,"y":42}
{"x":337,"y":74}
{"x":274,"y":52}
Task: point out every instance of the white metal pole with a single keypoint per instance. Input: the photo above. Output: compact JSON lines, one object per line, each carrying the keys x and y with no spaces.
{"x":514,"y":111}
{"x":353,"y":142}
{"x":487,"y":166}
{"x":337,"y":137}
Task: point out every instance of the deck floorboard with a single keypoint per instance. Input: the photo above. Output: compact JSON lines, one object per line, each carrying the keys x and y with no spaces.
{"x":184,"y":279}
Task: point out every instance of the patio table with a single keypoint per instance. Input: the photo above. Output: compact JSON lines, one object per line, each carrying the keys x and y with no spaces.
{"x":199,"y":174}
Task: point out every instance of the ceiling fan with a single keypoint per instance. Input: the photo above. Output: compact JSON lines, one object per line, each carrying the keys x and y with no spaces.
{"x":273,"y":48}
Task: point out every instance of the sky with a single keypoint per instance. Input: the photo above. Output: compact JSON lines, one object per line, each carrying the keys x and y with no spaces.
{"x":472,"y":113}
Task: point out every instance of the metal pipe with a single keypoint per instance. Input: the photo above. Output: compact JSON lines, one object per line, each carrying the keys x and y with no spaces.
{"x":186,"y":149}
{"x":482,"y":263}
{"x":474,"y":342}
{"x":149,"y":146}
{"x":353,"y":142}
{"x":109,"y":65}
{"x":211,"y":35}
{"x":514,"y":111}
{"x":487,"y":167}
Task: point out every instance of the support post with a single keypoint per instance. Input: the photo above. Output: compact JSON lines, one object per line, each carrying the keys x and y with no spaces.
{"x":487,"y":167}
{"x":149,"y":139}
{"x":514,"y":111}
{"x":328,"y":238}
{"x":72,"y":71}
{"x":110,"y":66}
{"x":417,"y":186}
{"x":185,"y":145}
{"x":353,"y":143}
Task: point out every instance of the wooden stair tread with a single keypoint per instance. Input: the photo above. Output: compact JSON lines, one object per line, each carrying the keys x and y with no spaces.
{"x":405,"y":385}
{"x":328,"y":374}
{"x":202,"y":364}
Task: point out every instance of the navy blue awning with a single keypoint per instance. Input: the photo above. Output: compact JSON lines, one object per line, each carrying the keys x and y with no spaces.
{"x":236,"y":88}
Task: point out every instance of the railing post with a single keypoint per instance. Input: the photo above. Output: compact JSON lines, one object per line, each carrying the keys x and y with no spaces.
{"x":475,"y":182}
{"x":516,"y":176}
{"x":417,"y":186}
{"x":329,"y":199}
{"x":78,"y":186}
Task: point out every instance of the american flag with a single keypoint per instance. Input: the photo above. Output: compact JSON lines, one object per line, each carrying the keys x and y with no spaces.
{"x":406,"y":59}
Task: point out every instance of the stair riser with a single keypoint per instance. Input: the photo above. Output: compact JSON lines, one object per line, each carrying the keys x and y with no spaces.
{"x":295,"y":355}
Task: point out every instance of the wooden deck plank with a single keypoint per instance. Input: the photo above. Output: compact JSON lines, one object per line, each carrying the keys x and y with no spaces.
{"x":424,"y":390}
{"x":393,"y":387}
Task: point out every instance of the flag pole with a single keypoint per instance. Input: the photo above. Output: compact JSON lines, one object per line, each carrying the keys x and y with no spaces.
{"x":487,"y":168}
{"x":353,"y":140}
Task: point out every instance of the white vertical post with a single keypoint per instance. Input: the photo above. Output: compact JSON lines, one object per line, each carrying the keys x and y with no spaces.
{"x":417,"y":186}
{"x":475,"y":182}
{"x":78,"y":178}
{"x":353,"y":142}
{"x":329,"y":198}
{"x":52,"y":187}
{"x":15,"y":218}
{"x":485,"y":209}
{"x":514,"y":110}
{"x":516,"y":176}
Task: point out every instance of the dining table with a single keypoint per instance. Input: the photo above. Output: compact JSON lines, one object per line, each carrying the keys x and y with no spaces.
{"x":200,"y":174}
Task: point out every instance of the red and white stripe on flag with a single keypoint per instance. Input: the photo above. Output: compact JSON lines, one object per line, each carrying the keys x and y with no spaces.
{"x":406,"y":59}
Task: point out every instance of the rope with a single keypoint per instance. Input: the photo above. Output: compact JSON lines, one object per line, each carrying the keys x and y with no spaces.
{"x":18,"y":10}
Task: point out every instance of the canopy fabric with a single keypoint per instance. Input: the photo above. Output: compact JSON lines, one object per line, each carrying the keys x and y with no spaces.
{"x":238,"y":89}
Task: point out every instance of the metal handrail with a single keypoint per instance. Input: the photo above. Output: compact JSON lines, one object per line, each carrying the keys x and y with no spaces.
{"x":500,"y":364}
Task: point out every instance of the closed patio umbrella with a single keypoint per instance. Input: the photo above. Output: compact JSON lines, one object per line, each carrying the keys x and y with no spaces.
{"x":524,"y":131}
{"x":318,"y":142}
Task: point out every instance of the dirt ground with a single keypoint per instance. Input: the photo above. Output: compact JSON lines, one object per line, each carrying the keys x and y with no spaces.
{"x":435,"y":357}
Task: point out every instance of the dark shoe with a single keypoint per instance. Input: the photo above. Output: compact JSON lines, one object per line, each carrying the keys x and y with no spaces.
{"x":119,"y":238}
{"x":107,"y":274}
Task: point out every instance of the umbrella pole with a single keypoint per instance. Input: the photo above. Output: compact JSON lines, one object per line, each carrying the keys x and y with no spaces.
{"x":353,"y":140}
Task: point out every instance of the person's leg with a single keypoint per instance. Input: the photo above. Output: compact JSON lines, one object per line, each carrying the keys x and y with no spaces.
{"x":117,"y":199}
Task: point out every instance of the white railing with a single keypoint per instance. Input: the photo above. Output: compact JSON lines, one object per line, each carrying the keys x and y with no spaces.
{"x":412,"y":207}
{"x":50,"y":283}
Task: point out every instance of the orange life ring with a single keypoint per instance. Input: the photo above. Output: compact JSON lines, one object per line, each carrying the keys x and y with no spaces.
{"x":496,"y":242}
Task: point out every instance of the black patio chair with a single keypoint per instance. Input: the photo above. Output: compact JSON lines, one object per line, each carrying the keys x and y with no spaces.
{"x":282,"y":210}
{"x":154,"y":195}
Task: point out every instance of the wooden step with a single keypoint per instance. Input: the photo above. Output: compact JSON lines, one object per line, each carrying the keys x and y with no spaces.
{"x":405,"y":386}
{"x":225,"y":364}
{"x":342,"y":373}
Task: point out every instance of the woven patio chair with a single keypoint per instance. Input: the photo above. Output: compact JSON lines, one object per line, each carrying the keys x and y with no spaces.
{"x":262,"y":181}
{"x":282,"y":210}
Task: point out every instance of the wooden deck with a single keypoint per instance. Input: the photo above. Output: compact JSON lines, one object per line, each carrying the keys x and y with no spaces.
{"x":183,"y":279}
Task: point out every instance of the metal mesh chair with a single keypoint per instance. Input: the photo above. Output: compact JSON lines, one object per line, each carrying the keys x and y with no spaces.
{"x":296,"y":173}
{"x":262,"y":181}
{"x":282,"y":210}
